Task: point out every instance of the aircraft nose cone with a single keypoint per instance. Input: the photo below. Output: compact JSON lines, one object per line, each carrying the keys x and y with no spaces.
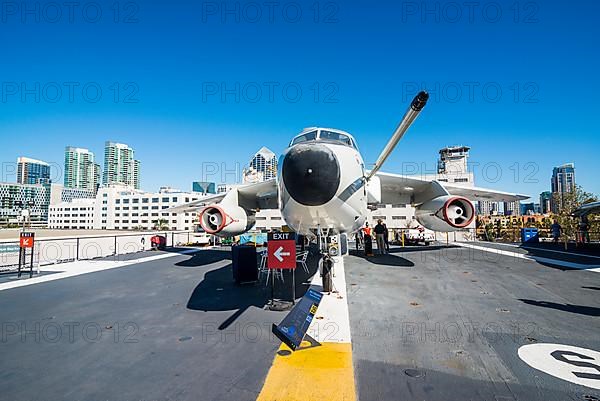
{"x":311,"y":174}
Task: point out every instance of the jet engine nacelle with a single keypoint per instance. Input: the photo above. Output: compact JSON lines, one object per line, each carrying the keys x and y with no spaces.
{"x":226,"y":220}
{"x":446,"y":213}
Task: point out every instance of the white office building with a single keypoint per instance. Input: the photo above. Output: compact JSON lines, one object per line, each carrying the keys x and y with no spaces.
{"x":118,"y":207}
{"x":77,"y":214}
{"x":125,"y":208}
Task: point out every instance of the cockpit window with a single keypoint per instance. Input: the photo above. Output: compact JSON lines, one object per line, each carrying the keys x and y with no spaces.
{"x":336,"y":136}
{"x":309,"y":136}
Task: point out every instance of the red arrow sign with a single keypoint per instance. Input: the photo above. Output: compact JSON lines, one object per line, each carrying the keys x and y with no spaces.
{"x":26,"y":240}
{"x":281,"y":254}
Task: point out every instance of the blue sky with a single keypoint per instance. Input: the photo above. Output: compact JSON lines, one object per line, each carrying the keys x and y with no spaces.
{"x":192,"y":86}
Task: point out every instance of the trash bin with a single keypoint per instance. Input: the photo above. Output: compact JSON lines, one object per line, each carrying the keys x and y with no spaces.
{"x":158,"y":242}
{"x":529,"y":235}
{"x":245,"y":269}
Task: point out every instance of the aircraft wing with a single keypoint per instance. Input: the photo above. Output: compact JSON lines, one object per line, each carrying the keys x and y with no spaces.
{"x":261,"y":195}
{"x":586,"y":209}
{"x":395,"y":188}
{"x":196,"y":205}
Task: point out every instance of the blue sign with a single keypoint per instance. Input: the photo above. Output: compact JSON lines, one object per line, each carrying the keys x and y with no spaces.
{"x":293,"y":327}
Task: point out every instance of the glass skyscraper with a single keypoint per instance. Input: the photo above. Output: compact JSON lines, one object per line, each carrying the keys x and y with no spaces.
{"x":120,"y":167}
{"x":81,"y":171}
{"x":262,"y":166}
{"x":31,"y":171}
{"x":563,"y":181}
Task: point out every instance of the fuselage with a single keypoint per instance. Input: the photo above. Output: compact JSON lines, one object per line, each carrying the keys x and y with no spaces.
{"x":322,"y":183}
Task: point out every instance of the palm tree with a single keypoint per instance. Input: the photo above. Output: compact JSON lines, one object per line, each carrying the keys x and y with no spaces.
{"x":161,"y":224}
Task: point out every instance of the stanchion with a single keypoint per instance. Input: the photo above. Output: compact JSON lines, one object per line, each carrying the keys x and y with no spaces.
{"x":293,"y":286}
{"x":31,"y":263}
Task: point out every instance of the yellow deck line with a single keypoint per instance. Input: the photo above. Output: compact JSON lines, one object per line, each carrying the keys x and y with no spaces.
{"x":323,"y":372}
{"x":320,"y":373}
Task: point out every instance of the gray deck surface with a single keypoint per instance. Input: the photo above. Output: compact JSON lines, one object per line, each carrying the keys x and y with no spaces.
{"x":585,"y":255}
{"x":470,"y":314}
{"x":179,"y":329}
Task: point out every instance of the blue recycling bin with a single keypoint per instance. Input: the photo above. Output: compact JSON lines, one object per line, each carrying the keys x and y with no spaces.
{"x":529,"y":235}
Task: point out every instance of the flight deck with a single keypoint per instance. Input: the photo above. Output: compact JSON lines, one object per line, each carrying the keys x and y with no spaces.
{"x":426,"y":323}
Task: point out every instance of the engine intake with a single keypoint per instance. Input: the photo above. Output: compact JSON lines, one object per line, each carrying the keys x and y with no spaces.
{"x":446,"y":213}
{"x":225,"y":220}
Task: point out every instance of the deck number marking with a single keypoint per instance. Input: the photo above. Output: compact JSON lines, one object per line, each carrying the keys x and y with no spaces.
{"x":574,"y":364}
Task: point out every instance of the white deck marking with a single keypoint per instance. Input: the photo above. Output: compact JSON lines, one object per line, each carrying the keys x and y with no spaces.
{"x":65,"y":270}
{"x":334,"y":327}
{"x":573,"y":364}
{"x":563,"y":263}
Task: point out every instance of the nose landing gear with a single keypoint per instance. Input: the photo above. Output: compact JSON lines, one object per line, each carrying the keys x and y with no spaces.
{"x":328,"y":248}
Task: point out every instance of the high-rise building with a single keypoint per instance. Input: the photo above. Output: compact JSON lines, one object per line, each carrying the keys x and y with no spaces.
{"x":81,"y":170}
{"x":563,"y":181}
{"x":545,"y":202}
{"x":14,"y":198}
{"x":512,"y":208}
{"x":262,"y":166}
{"x":528,"y":208}
{"x":120,"y":167}
{"x":31,"y":171}
{"x":487,"y":208}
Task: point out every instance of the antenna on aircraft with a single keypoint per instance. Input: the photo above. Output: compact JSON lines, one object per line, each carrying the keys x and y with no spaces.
{"x":409,"y":117}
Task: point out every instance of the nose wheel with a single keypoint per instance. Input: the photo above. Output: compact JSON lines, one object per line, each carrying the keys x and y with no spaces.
{"x":326,"y":260}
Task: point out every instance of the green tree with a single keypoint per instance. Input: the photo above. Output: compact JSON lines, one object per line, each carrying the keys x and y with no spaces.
{"x":161,"y":224}
{"x":566,"y":203}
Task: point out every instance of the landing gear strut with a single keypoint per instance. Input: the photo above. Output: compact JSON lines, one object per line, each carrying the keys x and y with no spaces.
{"x":326,"y":245}
{"x":327,"y":263}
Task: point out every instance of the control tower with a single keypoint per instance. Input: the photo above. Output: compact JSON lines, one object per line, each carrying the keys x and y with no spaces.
{"x":453,"y":160}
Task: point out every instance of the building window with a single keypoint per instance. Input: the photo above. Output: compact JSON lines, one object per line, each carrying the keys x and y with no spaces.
{"x":399,"y":205}
{"x":135,"y":200}
{"x":154,"y":200}
{"x":398,"y":217}
{"x":165,"y":200}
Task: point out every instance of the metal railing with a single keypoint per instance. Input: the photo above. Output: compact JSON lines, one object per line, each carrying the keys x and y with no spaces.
{"x":67,"y":249}
{"x":544,"y":234}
